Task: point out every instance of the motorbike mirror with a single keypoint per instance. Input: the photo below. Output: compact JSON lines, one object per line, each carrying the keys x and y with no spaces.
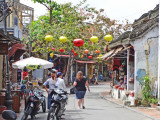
{"x":9,"y":115}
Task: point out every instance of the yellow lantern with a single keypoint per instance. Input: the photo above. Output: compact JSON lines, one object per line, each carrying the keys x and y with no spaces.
{"x":94,"y":39}
{"x":108,"y":38}
{"x":100,"y":55}
{"x":49,"y":38}
{"x":51,"y":54}
{"x":62,"y":39}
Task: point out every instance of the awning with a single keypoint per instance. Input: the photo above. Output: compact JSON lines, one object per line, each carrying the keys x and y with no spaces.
{"x":116,"y":51}
{"x":85,"y":61}
{"x":119,"y":50}
{"x":58,"y":55}
{"x":16,"y":50}
{"x":107,"y":54}
{"x":18,"y":54}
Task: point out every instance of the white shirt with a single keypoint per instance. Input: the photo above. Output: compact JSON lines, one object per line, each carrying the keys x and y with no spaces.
{"x":60,"y":84}
{"x":51,"y":84}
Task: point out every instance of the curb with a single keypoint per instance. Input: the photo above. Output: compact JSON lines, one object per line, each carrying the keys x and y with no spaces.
{"x":128,"y":107}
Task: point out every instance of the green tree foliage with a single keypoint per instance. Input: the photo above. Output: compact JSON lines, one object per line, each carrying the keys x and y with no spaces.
{"x":72,"y":22}
{"x":77,"y":21}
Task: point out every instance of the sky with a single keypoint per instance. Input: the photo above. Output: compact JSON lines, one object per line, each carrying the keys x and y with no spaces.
{"x":114,"y":9}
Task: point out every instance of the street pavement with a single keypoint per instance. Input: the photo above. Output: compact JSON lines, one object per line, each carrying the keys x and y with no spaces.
{"x":96,"y":108}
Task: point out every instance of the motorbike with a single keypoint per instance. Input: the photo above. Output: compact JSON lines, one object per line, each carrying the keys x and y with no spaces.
{"x":58,"y":103}
{"x":9,"y":115}
{"x":33,"y":103}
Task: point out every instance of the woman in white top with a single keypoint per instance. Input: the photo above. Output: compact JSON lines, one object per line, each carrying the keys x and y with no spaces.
{"x":60,"y":82}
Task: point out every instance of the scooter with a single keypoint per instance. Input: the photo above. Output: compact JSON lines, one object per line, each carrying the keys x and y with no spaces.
{"x":33,"y":102}
{"x":58,"y":102}
{"x":9,"y":115}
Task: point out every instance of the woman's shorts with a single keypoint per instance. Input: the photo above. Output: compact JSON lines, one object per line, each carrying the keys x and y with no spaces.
{"x":80,"y":94}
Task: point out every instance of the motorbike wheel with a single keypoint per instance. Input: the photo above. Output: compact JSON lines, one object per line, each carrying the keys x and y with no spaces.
{"x":51,"y":114}
{"x":44,"y":106}
{"x":26,"y":113}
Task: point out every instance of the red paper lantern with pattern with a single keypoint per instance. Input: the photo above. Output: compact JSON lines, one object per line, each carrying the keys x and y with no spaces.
{"x":78,"y":42}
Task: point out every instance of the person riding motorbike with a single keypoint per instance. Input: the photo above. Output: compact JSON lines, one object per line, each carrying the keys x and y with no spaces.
{"x":51,"y":82}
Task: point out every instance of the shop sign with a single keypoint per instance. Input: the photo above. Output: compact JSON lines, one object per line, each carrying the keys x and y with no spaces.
{"x":3,"y":48}
{"x":34,"y":66}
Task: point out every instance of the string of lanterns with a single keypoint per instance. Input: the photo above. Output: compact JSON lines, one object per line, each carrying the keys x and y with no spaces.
{"x":78,"y":43}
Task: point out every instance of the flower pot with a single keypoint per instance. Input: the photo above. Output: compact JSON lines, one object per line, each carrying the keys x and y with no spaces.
{"x":153,"y":105}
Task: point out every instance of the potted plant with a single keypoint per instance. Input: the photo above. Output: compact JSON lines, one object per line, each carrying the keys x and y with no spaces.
{"x":153,"y":102}
{"x":146,"y":91}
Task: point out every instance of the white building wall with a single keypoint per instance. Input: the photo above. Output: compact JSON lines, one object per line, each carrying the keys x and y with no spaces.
{"x":141,"y":61}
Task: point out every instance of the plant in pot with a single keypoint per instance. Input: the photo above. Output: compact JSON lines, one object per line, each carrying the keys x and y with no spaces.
{"x":153,"y":102}
{"x":146,"y":91}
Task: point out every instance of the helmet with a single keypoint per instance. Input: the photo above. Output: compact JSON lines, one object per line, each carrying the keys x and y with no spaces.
{"x":59,"y":74}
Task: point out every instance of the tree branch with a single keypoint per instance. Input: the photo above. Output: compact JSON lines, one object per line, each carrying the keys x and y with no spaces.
{"x":46,"y":6}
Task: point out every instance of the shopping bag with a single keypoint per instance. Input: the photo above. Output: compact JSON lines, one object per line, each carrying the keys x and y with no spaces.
{"x":72,"y":90}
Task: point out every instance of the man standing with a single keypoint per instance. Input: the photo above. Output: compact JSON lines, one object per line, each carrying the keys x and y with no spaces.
{"x":51,"y":82}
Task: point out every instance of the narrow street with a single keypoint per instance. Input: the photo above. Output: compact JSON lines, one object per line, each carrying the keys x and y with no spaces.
{"x":96,"y":108}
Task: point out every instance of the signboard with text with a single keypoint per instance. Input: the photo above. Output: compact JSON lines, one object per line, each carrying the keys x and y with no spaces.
{"x":3,"y":48}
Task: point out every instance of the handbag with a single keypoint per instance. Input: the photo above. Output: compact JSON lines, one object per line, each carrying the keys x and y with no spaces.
{"x":72,"y":90}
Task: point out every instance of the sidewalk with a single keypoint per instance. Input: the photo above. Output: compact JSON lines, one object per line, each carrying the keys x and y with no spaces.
{"x":20,"y":111}
{"x":152,"y":113}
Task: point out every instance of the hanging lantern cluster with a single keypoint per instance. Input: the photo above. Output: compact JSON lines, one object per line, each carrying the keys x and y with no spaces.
{"x":78,"y":42}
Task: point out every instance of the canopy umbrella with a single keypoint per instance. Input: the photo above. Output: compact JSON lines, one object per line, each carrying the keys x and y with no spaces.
{"x":32,"y":63}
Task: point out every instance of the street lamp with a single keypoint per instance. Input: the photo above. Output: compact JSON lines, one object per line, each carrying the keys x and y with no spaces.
{"x":4,"y":8}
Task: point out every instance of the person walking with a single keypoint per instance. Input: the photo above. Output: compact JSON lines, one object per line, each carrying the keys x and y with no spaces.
{"x":51,"y":82}
{"x":60,"y":82}
{"x":80,"y":88}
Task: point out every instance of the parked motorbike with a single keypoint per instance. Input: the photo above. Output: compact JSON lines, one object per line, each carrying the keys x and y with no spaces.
{"x":33,"y":102}
{"x":9,"y":115}
{"x":58,"y":102}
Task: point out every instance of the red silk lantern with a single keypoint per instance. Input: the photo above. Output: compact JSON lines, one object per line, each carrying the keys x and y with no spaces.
{"x":75,"y":54}
{"x":97,"y":51}
{"x":86,"y":51}
{"x":61,"y":50}
{"x":78,"y":42}
{"x":53,"y":48}
{"x":90,"y":57}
